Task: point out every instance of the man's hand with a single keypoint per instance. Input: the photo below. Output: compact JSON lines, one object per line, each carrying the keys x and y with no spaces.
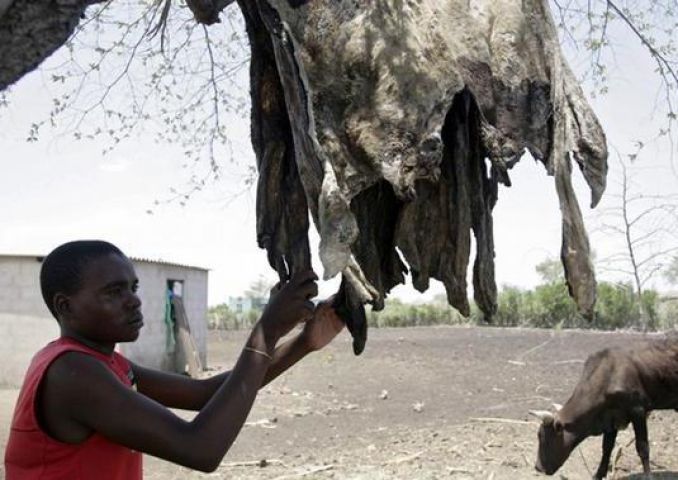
{"x":290,"y":303}
{"x":323,"y":327}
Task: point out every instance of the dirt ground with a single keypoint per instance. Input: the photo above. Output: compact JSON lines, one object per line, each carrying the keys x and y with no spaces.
{"x":419,"y":403}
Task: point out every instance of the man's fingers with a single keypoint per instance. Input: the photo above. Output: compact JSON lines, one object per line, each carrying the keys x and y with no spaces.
{"x":308,"y":291}
{"x":311,"y":291}
{"x":304,"y":285}
{"x":309,"y":309}
{"x":300,"y":278}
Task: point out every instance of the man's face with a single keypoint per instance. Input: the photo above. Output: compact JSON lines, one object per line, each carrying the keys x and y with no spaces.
{"x":106,"y":308}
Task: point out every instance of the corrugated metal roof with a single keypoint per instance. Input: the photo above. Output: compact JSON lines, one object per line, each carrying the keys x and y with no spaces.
{"x":158,"y":261}
{"x":164,"y":262}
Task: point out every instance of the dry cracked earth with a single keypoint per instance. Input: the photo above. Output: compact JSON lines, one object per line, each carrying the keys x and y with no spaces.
{"x":419,"y":403}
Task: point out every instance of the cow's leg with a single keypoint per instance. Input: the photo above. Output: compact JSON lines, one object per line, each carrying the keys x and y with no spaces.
{"x":608,"y":444}
{"x":642,"y":445}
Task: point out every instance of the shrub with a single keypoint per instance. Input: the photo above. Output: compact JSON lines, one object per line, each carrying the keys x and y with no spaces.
{"x":220,"y":317}
{"x":396,"y":313}
{"x":546,"y":306}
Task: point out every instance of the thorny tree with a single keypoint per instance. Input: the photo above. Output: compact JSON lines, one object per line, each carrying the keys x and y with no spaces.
{"x":392,"y":121}
{"x":646,"y":228}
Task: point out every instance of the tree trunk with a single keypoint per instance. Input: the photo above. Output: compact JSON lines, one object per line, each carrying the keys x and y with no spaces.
{"x":31,"y":30}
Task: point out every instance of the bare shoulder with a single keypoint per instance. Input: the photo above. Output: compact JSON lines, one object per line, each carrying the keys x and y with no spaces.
{"x":80,"y":383}
{"x":76,"y":386}
{"x":76,"y":369}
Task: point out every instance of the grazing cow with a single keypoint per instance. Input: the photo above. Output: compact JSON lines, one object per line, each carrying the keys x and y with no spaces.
{"x":618,"y":386}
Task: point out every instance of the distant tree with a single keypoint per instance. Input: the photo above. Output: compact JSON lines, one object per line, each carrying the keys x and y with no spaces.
{"x":511,"y":307}
{"x":550,"y":270}
{"x":671,"y":272}
{"x":260,"y":288}
{"x":220,"y":317}
{"x":646,"y":225}
{"x":550,"y":305}
{"x":669,"y":303}
{"x":617,"y":306}
{"x":397,"y":313}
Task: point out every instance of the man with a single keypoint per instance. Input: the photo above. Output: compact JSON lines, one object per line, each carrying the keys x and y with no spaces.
{"x":86,"y":412}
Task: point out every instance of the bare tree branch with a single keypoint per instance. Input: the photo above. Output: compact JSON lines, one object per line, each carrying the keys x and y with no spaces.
{"x":664,"y":65}
{"x":207,"y":11}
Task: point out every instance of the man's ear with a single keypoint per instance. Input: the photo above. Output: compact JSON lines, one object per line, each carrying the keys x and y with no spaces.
{"x":62,"y":305}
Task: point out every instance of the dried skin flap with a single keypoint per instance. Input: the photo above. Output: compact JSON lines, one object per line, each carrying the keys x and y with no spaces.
{"x":392,"y":121}
{"x":403,"y":117}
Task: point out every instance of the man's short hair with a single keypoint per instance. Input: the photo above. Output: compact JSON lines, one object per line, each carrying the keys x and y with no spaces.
{"x":61,"y":270}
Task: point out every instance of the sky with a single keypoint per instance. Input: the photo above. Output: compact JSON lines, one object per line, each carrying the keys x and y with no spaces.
{"x":58,"y":189}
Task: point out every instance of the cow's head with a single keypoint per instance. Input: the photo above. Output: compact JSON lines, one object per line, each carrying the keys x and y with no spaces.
{"x":555,"y":442}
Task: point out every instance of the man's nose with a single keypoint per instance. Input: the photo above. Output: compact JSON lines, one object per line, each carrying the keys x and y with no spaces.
{"x":133,"y":300}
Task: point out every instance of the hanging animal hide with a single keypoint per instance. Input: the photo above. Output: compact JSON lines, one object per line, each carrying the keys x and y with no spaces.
{"x":393,"y":122}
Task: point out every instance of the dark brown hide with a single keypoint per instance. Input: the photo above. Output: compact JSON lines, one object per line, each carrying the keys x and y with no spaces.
{"x":392,"y":122}
{"x":402,"y":126}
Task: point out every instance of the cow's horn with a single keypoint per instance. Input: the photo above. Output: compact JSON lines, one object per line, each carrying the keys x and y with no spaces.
{"x":543,"y":415}
{"x":557,"y":406}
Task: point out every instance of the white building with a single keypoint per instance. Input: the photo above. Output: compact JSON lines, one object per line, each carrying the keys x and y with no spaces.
{"x":26,"y":325}
{"x":243,"y":304}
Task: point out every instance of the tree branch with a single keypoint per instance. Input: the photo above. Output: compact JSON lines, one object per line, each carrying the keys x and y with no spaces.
{"x":207,"y":11}
{"x":31,"y":30}
{"x":663,"y":64}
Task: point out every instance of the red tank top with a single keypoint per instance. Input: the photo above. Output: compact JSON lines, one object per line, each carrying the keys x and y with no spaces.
{"x":32,"y":454}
